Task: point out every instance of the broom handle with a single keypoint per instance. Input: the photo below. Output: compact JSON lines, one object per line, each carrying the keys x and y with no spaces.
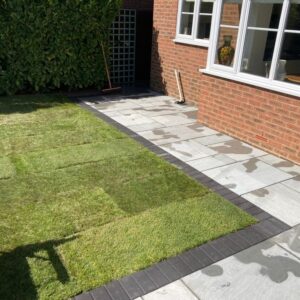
{"x":106,"y":66}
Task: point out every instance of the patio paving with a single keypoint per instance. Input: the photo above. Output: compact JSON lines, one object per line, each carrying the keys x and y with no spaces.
{"x":267,"y":181}
{"x":270,"y":268}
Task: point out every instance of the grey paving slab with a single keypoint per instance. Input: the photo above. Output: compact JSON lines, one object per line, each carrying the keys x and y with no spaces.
{"x":237,"y":150}
{"x":133,"y":119}
{"x":171,"y":134}
{"x":188,"y":150}
{"x":115,"y":106}
{"x":279,"y":201}
{"x":290,"y":240}
{"x":166,"y":109}
{"x":175,"y":119}
{"x":146,"y":127}
{"x":211,"y":162}
{"x":214,"y":139}
{"x":113,"y":113}
{"x":265,"y":271}
{"x":152,"y":101}
{"x":239,"y":167}
{"x":281,"y":164}
{"x":174,"y":291}
{"x":247,"y":176}
{"x":293,"y":183}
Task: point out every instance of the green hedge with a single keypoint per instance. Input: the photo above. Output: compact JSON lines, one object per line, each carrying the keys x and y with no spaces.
{"x":50,"y":44}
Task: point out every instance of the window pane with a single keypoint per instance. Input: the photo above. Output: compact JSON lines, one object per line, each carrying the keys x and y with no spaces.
{"x":204,"y":27}
{"x":293,"y":22}
{"x":188,"y":6}
{"x":226,"y":46}
{"x":265,"y":14}
{"x":231,"y":12}
{"x":206,"y":6}
{"x":258,"y":52}
{"x":288,"y":67}
{"x":186,"y":24}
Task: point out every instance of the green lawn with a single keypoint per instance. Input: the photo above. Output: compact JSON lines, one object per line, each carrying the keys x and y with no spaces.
{"x":82,"y":204}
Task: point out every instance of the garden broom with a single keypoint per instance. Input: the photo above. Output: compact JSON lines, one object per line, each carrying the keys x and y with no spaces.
{"x":111,"y":89}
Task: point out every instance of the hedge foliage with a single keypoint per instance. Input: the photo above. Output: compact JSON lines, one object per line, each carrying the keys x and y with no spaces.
{"x":49,"y":44}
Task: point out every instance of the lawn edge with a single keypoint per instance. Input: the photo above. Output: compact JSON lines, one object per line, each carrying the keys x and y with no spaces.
{"x":190,"y":261}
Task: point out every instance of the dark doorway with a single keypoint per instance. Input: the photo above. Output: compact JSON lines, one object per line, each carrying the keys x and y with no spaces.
{"x":144,"y":23}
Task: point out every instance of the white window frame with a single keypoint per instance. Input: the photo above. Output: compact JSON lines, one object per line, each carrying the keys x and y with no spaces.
{"x":191,"y":39}
{"x":233,"y":72}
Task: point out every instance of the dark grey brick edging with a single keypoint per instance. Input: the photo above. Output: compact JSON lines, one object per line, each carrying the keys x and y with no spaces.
{"x":169,"y":270}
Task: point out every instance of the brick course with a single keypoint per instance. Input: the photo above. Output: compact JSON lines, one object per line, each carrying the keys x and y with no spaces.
{"x":263,"y":118}
{"x":260,"y":117}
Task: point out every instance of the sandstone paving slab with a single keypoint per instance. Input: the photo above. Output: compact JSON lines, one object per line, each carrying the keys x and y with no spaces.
{"x":113,"y":113}
{"x":265,"y":271}
{"x":237,"y":150}
{"x":281,"y":164}
{"x":279,"y":201}
{"x":247,"y":176}
{"x":166,"y":109}
{"x":133,"y":119}
{"x":214,"y":139}
{"x":146,"y":126}
{"x":293,"y":183}
{"x":176,"y":119}
{"x":152,"y":101}
{"x":174,"y":291}
{"x":290,"y":240}
{"x":115,"y":106}
{"x":188,"y":150}
{"x":176,"y":133}
{"x":210,"y":162}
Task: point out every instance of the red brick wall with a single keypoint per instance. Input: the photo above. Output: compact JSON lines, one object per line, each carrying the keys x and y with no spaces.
{"x":263,"y":118}
{"x":138,"y":4}
{"x":168,"y":56}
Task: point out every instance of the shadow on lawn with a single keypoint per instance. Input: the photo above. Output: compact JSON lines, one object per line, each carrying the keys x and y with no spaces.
{"x":28,"y":103}
{"x":15,"y":275}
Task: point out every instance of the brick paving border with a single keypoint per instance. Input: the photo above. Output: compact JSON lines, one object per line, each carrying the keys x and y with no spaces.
{"x":160,"y":274}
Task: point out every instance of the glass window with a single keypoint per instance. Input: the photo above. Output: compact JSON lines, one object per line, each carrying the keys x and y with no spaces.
{"x":228,"y":32}
{"x":195,"y":19}
{"x":288,"y":64}
{"x":187,"y":17}
{"x":261,"y":36}
{"x":265,"y":46}
{"x":204,"y":27}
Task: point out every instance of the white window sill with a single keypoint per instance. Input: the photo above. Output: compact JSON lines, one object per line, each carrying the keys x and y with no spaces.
{"x":199,"y":43}
{"x":281,"y":87}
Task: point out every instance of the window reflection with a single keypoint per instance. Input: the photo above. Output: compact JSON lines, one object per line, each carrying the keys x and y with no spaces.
{"x":228,"y":33}
{"x":288,"y":65}
{"x":187,"y":17}
{"x":261,"y":36}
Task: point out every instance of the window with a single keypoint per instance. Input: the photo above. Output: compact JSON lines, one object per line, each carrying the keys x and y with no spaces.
{"x":194,"y":21}
{"x":257,"y":42}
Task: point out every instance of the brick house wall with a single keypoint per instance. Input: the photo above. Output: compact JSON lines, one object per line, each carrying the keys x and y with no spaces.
{"x":266,"y":119}
{"x":168,"y":56}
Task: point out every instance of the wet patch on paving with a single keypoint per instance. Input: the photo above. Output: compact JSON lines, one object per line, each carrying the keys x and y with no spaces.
{"x":226,"y":267}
